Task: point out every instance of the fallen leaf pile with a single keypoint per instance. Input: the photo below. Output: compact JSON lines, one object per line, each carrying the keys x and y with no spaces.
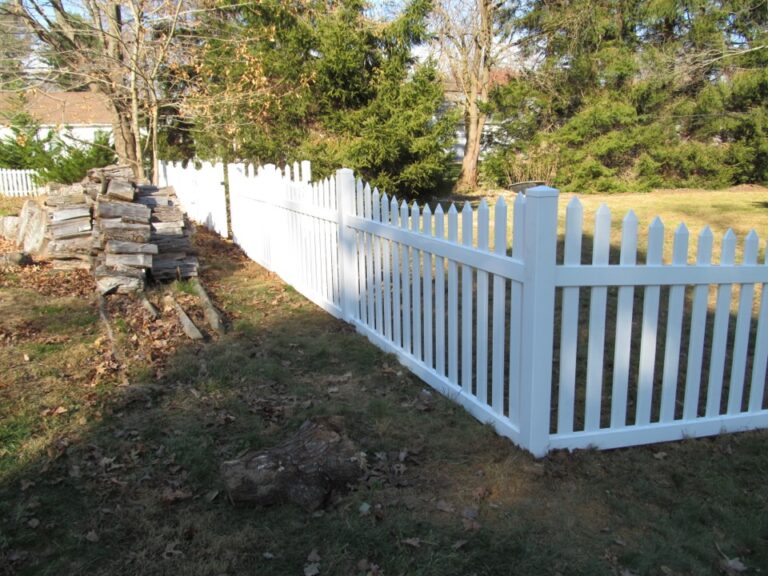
{"x":41,"y":278}
{"x":147,"y":341}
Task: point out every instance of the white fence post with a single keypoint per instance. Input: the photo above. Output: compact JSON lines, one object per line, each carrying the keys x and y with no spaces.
{"x":345,"y":199}
{"x":538,"y":317}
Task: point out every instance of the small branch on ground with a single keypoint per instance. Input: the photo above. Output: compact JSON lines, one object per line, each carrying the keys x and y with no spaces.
{"x":212,"y":315}
{"x":113,"y":341}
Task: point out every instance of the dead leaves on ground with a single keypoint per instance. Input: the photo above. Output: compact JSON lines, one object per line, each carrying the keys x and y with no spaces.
{"x":40,"y":277}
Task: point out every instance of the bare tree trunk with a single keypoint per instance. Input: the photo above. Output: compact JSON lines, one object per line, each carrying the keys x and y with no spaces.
{"x":475,"y":122}
{"x":466,"y":38}
{"x":153,"y":119}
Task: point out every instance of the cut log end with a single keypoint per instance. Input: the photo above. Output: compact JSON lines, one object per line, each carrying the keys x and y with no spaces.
{"x":318,"y":460}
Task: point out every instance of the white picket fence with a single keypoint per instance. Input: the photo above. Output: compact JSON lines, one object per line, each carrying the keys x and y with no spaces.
{"x":554,"y":353}
{"x":200,"y":190}
{"x":19,"y":183}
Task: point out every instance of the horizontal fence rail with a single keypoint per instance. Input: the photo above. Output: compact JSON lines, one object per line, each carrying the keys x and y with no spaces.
{"x":588,"y":348}
{"x":19,"y":183}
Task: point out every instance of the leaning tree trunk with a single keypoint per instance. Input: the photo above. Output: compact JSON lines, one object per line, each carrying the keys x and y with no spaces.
{"x":475,"y":123}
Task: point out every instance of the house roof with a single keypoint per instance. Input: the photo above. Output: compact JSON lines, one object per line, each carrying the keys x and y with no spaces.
{"x":499,"y":77}
{"x":59,"y":108}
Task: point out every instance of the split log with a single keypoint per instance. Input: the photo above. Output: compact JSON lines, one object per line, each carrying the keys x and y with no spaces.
{"x":167,"y":214}
{"x":116,"y":229}
{"x":75,"y":263}
{"x":169,"y":244}
{"x":103,"y":271}
{"x":67,"y":247}
{"x":67,"y":200}
{"x":305,"y":469}
{"x":192,"y":331}
{"x":212,"y":315}
{"x":168,"y":228}
{"x":149,"y":307}
{"x":153,"y":201}
{"x":120,"y":190}
{"x":118,"y":247}
{"x":139,"y":260}
{"x":69,"y":228}
{"x":120,"y":279}
{"x":113,"y":171}
{"x":116,"y":352}
{"x":173,"y":269}
{"x":128,"y":211}
{"x":30,"y":234}
{"x":119,"y":285}
{"x":71,"y":212}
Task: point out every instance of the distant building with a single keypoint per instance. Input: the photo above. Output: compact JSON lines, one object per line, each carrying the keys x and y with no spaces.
{"x":75,"y":116}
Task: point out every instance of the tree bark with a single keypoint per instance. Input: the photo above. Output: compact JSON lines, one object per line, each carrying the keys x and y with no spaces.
{"x":475,"y":123}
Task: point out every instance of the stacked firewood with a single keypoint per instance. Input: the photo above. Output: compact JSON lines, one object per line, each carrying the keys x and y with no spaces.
{"x":170,"y":232}
{"x":122,"y":230}
{"x":122,"y":252}
{"x":69,"y":231}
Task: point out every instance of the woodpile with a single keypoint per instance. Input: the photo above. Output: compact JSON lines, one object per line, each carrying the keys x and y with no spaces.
{"x":170,"y":233}
{"x":69,"y":231}
{"x":124,"y":231}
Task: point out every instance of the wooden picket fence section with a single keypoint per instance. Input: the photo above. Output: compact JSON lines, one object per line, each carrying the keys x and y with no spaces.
{"x":200,"y":190}
{"x":553,"y":351}
{"x":19,"y":183}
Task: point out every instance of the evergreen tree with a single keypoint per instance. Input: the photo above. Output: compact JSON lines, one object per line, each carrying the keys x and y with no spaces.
{"x":319,"y":80}
{"x":635,"y":95}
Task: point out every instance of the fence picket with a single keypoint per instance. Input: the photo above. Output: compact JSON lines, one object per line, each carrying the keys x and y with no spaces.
{"x":743,"y":320}
{"x":499,"y":304}
{"x":440,"y":296}
{"x":428,"y":316}
{"x":760,"y":354}
{"x":481,"y":372}
{"x":650,"y":327}
{"x":361,"y":241}
{"x":467,"y":298}
{"x":516,"y":313}
{"x":377,"y":264}
{"x":674,"y":330}
{"x":453,"y":300}
{"x":405,"y":272}
{"x":416,"y":284}
{"x":396,"y":302}
{"x":698,"y":328}
{"x":624,"y":309}
{"x":386,"y":272}
{"x":569,"y":322}
{"x":368,"y":246}
{"x":720,"y":329}
{"x":597,"y":307}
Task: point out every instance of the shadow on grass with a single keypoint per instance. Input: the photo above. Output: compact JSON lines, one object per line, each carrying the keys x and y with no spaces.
{"x":131,"y":485}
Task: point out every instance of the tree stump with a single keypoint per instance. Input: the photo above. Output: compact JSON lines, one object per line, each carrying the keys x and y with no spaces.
{"x":305,"y":469}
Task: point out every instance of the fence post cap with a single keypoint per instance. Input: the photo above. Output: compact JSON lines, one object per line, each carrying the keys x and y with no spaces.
{"x":542,"y":192}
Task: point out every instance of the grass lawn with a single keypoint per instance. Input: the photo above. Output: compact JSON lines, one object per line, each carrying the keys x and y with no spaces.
{"x":98,"y":477}
{"x":10,"y":206}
